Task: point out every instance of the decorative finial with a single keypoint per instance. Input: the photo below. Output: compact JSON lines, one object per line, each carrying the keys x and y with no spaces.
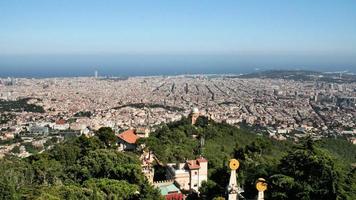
{"x":234,"y":164}
{"x":232,"y":188}
{"x":261,"y":186}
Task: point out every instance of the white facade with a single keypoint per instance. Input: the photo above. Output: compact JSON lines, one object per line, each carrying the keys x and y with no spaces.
{"x":60,"y":127}
{"x":189,"y":175}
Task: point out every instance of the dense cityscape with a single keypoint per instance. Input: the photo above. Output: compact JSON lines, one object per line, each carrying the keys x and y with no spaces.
{"x":86,"y":104}
{"x":37,"y":114}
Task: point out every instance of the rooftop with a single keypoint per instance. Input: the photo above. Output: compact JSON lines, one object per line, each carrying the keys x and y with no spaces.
{"x":128,"y":136}
{"x":168,"y":189}
{"x":193,"y":164}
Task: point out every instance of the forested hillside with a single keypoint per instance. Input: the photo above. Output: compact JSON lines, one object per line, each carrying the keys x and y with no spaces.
{"x":91,"y":168}
{"x":86,"y":168}
{"x":304,"y":170}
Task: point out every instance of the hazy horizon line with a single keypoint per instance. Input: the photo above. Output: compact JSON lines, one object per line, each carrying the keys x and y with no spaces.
{"x":171,"y":74}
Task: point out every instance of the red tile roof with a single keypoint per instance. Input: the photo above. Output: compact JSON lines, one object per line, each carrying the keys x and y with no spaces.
{"x":201,"y":159}
{"x":128,"y":136}
{"x":174,"y":196}
{"x":61,"y":122}
{"x":193,"y":164}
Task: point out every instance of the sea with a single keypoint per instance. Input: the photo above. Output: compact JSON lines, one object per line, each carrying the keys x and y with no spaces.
{"x":43,"y":66}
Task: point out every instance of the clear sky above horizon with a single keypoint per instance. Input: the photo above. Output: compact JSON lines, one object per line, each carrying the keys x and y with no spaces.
{"x":320,"y":28}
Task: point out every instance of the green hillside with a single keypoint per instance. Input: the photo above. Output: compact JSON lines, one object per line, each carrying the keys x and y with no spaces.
{"x":85,"y":168}
{"x":91,"y":168}
{"x":305,"y":170}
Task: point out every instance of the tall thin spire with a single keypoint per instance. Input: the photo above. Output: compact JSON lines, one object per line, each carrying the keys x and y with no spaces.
{"x":232,"y":188}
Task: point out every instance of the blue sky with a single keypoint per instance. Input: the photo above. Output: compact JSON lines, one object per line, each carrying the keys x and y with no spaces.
{"x":275,"y":28}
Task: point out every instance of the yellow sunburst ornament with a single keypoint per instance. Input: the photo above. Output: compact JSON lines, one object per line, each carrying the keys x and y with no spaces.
{"x":234,"y":164}
{"x":261,"y":185}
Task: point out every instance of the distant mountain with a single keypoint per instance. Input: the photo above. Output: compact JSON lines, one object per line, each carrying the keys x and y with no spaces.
{"x":303,"y":75}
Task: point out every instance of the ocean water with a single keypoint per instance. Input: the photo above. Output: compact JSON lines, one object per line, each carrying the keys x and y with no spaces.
{"x":144,"y":65}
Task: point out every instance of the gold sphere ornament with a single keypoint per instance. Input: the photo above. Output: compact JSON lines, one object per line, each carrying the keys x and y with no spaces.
{"x":261,"y":185}
{"x":234,"y":164}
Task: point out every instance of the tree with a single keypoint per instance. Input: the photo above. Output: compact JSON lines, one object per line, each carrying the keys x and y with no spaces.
{"x":350,"y":184}
{"x":209,"y":189}
{"x":282,"y":187}
{"x":148,"y":192}
{"x":112,"y":189}
{"x":47,"y":171}
{"x":309,"y":172}
{"x":71,"y":192}
{"x":103,"y":163}
{"x":202,"y":121}
{"x":15,"y":174}
{"x":7,"y":190}
{"x":66,"y":153}
{"x":87,"y":144}
{"x":107,"y":136}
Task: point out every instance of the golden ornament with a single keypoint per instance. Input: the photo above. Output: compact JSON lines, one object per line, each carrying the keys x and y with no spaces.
{"x":234,"y":164}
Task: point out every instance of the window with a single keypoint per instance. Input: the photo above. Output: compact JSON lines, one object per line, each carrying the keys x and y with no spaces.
{"x":195,"y":173}
{"x":195,"y":185}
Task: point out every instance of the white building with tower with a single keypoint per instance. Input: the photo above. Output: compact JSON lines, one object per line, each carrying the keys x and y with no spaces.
{"x":189,"y":175}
